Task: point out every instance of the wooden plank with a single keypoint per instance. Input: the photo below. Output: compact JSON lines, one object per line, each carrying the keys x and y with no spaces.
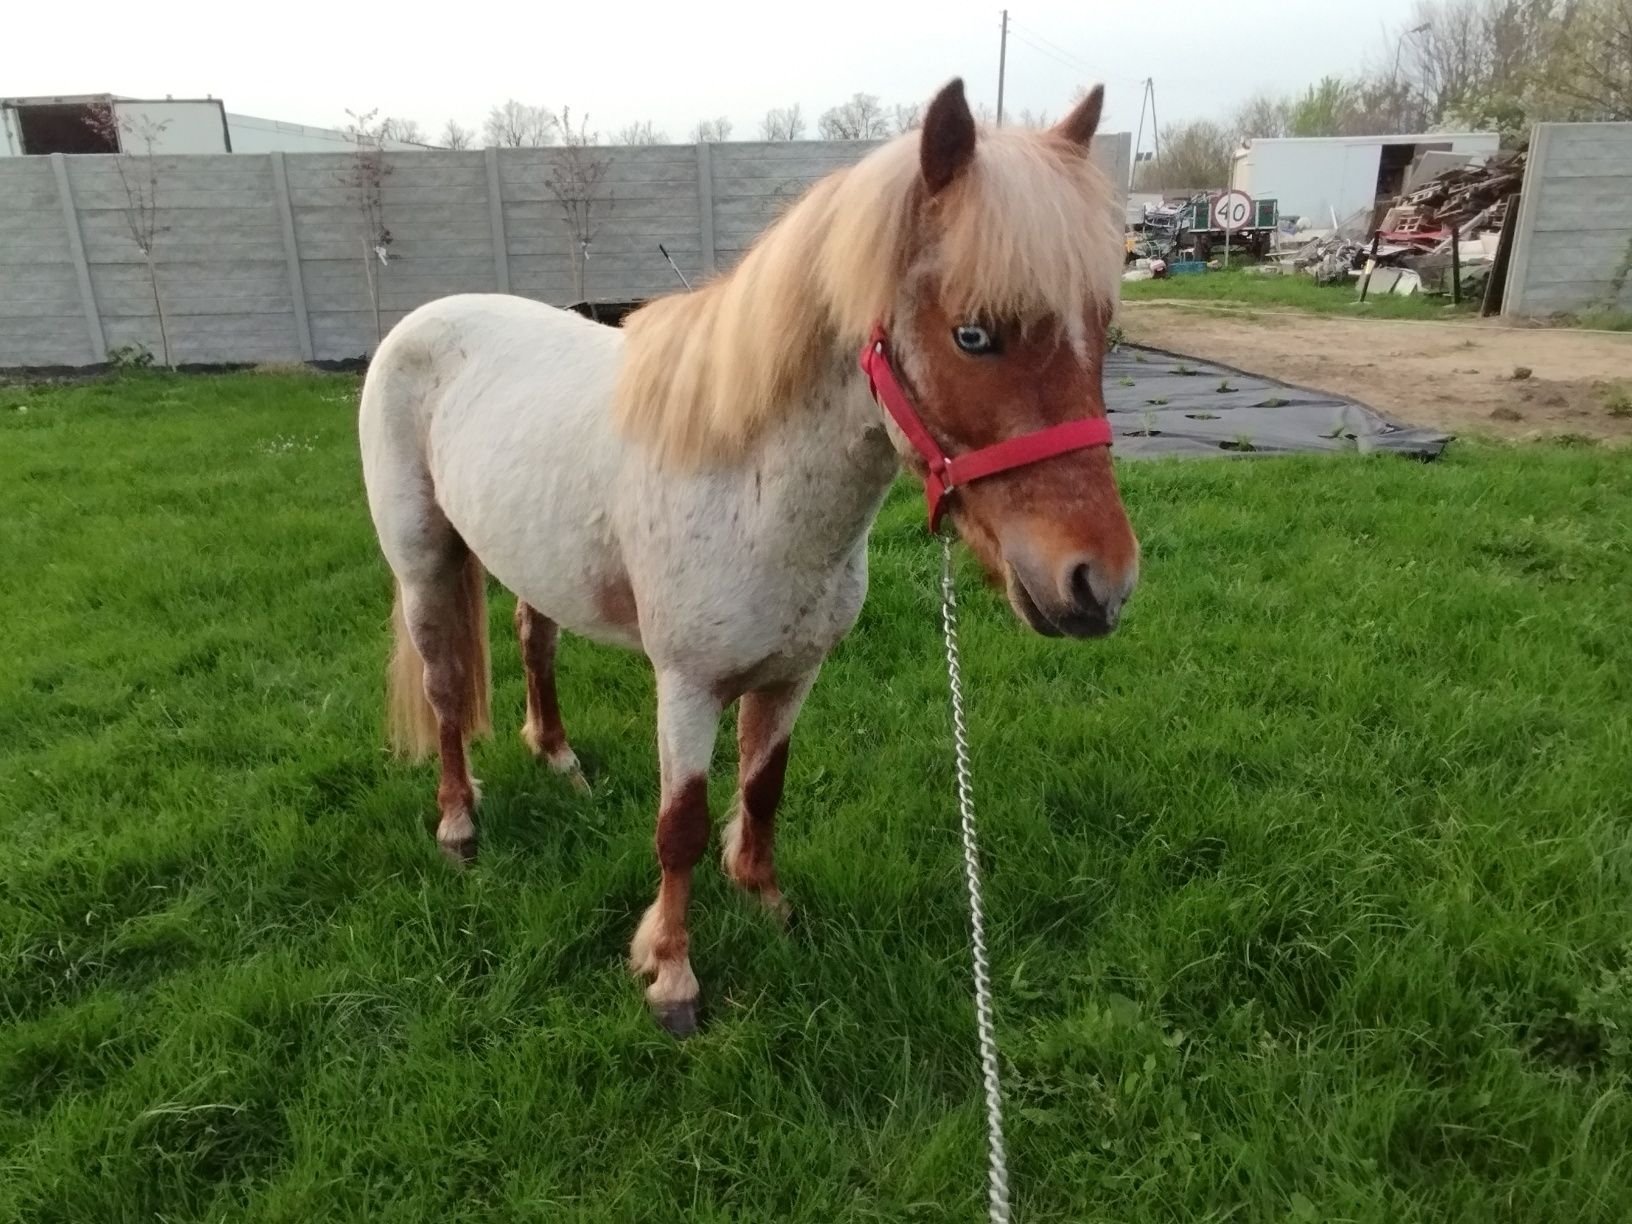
{"x":1496,"y":282}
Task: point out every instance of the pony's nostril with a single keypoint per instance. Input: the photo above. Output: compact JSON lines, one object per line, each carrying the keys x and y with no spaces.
{"x":1082,"y":589}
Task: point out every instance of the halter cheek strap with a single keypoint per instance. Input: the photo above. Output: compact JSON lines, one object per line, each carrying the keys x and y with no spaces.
{"x":947,"y":472}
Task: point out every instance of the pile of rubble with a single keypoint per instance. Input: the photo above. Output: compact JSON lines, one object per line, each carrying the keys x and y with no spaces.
{"x":1412,"y":245}
{"x":1467,"y":200}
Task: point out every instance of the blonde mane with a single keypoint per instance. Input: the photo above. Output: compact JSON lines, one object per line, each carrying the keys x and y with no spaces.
{"x":1027,"y":232}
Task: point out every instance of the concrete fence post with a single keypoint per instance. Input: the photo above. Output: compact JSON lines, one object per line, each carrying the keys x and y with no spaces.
{"x":291,"y":255}
{"x":495,"y":213}
{"x":1524,"y":231}
{"x":76,"y":251}
{"x":705,"y":205}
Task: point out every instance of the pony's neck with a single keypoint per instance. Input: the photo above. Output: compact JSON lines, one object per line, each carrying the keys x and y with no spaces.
{"x":829,"y":465}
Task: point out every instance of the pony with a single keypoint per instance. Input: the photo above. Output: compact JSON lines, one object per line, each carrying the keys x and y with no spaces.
{"x":699,"y":485}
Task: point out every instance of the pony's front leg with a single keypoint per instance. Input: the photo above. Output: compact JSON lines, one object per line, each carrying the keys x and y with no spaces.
{"x":764,"y":725}
{"x":687,"y":717}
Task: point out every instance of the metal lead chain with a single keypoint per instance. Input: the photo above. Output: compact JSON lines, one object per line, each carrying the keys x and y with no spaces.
{"x":998,"y":1194}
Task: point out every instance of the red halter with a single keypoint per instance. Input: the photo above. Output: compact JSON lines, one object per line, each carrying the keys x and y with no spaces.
{"x":947,"y":473}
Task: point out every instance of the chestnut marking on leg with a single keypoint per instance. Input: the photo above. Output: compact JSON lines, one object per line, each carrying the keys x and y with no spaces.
{"x":543,"y":731}
{"x":687,"y":717}
{"x":764,"y":724}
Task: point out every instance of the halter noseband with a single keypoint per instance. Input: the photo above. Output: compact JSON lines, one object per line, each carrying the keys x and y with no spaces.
{"x":947,"y":473}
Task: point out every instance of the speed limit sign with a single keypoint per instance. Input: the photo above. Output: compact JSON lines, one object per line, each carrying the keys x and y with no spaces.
{"x":1232,"y":210}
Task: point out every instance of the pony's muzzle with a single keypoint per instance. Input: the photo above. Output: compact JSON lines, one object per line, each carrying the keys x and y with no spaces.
{"x":1082,"y":597}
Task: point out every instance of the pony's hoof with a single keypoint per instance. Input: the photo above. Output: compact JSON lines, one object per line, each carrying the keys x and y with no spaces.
{"x":564,"y":761}
{"x":776,"y":905}
{"x":676,"y":1019}
{"x":461,"y":852}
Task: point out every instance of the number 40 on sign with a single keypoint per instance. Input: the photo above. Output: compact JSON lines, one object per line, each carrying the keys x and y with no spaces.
{"x":1232,"y":210}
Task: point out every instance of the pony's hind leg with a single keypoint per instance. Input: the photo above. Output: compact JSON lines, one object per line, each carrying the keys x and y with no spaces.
{"x":444,"y":616}
{"x":687,"y":717}
{"x":543,"y":732}
{"x":764,"y":724}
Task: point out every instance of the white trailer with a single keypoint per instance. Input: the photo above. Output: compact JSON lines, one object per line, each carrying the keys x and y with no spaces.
{"x":71,"y":124}
{"x":1328,"y":179}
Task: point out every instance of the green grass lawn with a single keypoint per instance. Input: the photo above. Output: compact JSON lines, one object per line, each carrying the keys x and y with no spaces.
{"x":1239,"y":287}
{"x":1310,"y":888}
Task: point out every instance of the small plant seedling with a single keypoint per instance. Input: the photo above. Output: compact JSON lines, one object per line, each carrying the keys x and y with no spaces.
{"x":1184,"y":369}
{"x":1158,"y":400}
{"x":1114,"y":336}
{"x":1618,"y":402}
{"x":1224,"y":386}
{"x":1141,"y":358}
{"x":1202,"y":416}
{"x":1124,"y":382}
{"x":1241,"y":442}
{"x":1274,"y":401}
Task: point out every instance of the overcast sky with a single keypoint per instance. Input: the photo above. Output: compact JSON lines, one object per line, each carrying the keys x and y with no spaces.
{"x":674,"y":63}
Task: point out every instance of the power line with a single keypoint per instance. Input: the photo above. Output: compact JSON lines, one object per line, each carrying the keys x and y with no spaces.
{"x":1061,"y":55}
{"x":1058,"y":59}
{"x":1075,"y":62}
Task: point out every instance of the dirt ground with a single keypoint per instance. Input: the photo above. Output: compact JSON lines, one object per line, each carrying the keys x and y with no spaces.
{"x":1464,"y":377}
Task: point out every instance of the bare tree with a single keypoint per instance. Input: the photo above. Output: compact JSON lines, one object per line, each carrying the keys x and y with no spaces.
{"x":641,"y":133}
{"x":908,"y":118}
{"x":455,"y":136}
{"x":1029,"y":118}
{"x":711,"y":131}
{"x":515,"y":125}
{"x":1262,"y":116}
{"x":861,"y":118}
{"x":405,"y":131}
{"x":364,"y":179}
{"x":782,"y":123}
{"x":575,"y":182}
{"x":1195,"y":155}
{"x":139,"y":176}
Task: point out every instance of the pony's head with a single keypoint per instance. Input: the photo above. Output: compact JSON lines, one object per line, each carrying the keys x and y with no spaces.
{"x":991,"y":258}
{"x":997,"y":330}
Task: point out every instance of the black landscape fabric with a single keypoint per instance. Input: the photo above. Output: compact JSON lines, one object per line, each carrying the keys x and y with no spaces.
{"x":1167,"y":404}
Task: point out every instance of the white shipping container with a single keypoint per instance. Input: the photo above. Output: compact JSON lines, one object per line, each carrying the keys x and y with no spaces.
{"x":1328,"y":179}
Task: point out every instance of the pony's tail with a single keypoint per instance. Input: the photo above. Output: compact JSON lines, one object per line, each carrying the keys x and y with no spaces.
{"x":411,"y":719}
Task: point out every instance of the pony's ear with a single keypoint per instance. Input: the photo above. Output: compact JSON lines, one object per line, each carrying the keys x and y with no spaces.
{"x":947,"y":143}
{"x":1080,"y":125}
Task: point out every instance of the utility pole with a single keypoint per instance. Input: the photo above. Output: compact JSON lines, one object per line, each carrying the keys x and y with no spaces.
{"x":1002,"y":63}
{"x":1155,"y":130}
{"x":1133,"y":167}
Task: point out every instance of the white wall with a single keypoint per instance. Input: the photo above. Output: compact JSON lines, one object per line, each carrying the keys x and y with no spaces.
{"x":259,"y":255}
{"x":1572,"y":250}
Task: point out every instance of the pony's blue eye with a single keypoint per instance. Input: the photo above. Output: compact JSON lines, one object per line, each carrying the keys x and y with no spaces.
{"x":972,"y":338}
